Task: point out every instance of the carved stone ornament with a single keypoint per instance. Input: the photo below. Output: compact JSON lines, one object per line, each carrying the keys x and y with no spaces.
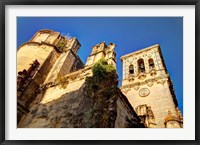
{"x":130,"y":61}
{"x":153,"y":73}
{"x":150,"y":84}
{"x":142,"y":77}
{"x":144,"y":92}
{"x":149,"y":55}
{"x":161,"y":82}
{"x":131,"y":80}
{"x":136,"y":87}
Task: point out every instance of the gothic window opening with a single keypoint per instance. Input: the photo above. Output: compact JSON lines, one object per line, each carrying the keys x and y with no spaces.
{"x":131,"y":69}
{"x":141,"y":67}
{"x":151,"y":63}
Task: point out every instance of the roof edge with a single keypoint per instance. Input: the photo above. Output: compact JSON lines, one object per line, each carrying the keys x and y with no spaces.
{"x":138,"y":51}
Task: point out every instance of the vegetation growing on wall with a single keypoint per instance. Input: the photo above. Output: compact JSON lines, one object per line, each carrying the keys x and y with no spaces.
{"x":63,"y":81}
{"x":102,"y":89}
{"x":61,"y":45}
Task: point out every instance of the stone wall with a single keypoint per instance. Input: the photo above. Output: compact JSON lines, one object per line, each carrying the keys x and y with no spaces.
{"x":126,"y":116}
{"x":158,"y":97}
{"x":27,"y":54}
{"x":31,"y":51}
{"x":56,"y":107}
{"x":70,"y":108}
{"x":66,"y":63}
{"x":77,"y":106}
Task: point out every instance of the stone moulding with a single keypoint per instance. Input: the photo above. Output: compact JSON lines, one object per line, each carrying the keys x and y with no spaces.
{"x":72,"y":77}
{"x":41,"y":31}
{"x":136,"y":87}
{"x":37,"y":43}
{"x":172,"y":118}
{"x":157,"y":47}
{"x":142,"y":77}
{"x":143,"y":83}
{"x":150,"y":84}
{"x":152,"y":72}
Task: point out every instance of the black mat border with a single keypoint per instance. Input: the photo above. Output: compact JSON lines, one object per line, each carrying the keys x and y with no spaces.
{"x":4,"y":3}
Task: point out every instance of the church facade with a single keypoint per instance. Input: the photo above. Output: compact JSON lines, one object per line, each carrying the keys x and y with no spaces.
{"x":51,"y":85}
{"x":149,"y":89}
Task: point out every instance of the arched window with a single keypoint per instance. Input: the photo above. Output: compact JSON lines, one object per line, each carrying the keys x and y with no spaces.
{"x":151,"y":63}
{"x":131,"y":69}
{"x":141,"y":67}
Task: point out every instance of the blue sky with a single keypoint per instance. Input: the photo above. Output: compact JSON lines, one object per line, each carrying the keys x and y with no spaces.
{"x":128,"y":33}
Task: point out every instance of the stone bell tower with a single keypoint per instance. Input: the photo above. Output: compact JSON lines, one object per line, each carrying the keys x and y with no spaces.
{"x":149,"y":89}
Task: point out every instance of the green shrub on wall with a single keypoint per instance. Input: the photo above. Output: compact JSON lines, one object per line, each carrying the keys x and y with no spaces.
{"x":102,"y":89}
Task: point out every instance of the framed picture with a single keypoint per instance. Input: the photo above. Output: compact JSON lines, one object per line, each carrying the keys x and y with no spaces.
{"x":99,"y":72}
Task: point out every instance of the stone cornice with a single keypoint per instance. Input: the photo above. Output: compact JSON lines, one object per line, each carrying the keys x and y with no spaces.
{"x":39,"y":31}
{"x":146,"y":73}
{"x":26,"y":43}
{"x":139,"y":51}
{"x":97,"y":53}
{"x":131,"y":85}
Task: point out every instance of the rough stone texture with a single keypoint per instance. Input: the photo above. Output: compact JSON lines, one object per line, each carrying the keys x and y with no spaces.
{"x":58,"y":108}
{"x":71,"y":108}
{"x":160,"y":100}
{"x":70,"y":61}
{"x":47,"y":36}
{"x":102,"y":51}
{"x":126,"y":116}
{"x":46,"y":61}
{"x":53,"y":61}
{"x":29,"y":52}
{"x":66,"y":63}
